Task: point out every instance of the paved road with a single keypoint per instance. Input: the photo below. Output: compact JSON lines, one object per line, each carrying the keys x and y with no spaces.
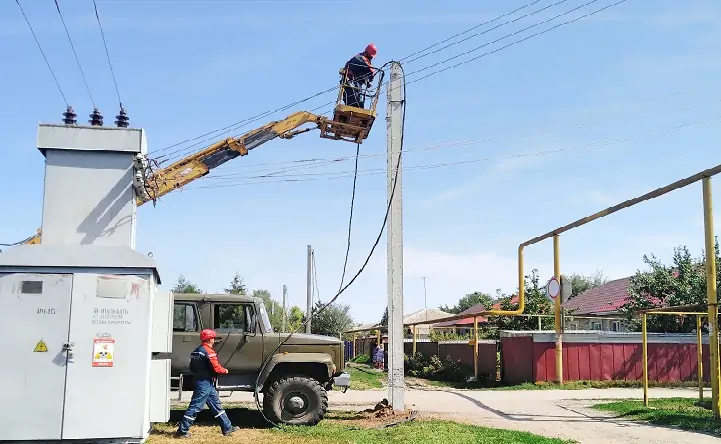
{"x":553,"y":413}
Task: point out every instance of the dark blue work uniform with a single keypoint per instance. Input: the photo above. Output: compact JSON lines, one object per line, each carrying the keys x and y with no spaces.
{"x":359,"y":73}
{"x":205,"y":368}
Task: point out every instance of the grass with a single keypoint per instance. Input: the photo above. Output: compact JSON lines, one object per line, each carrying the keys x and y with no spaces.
{"x":364,"y":377}
{"x":685,"y":413}
{"x":342,"y":428}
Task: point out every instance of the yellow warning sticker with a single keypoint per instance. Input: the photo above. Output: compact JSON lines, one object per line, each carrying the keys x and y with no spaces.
{"x":41,"y":347}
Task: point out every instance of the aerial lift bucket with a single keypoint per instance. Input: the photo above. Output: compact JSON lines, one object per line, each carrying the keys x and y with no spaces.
{"x":352,"y":123}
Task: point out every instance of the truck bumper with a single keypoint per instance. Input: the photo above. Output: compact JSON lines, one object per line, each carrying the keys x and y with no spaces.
{"x":342,"y":380}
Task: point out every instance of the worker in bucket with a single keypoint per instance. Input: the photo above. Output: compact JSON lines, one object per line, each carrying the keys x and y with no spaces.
{"x":359,"y":73}
{"x":205,"y":368}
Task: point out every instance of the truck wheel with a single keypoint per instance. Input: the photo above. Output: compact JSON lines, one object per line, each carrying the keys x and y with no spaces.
{"x":295,"y":400}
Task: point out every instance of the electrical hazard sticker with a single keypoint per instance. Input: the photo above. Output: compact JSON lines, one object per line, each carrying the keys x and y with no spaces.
{"x":103,"y":352}
{"x":41,"y":347}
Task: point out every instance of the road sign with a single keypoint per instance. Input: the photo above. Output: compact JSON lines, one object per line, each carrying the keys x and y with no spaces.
{"x":566,"y":289}
{"x":553,"y":288}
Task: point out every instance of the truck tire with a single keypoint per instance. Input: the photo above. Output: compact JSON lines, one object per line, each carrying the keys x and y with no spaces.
{"x":295,"y":400}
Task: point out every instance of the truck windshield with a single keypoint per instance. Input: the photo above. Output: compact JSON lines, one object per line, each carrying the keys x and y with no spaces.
{"x":266,"y":321}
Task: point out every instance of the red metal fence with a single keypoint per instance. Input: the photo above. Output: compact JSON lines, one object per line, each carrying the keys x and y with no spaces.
{"x":600,"y":356}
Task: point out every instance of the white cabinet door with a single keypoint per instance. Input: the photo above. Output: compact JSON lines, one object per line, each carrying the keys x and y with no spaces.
{"x":36,"y":309}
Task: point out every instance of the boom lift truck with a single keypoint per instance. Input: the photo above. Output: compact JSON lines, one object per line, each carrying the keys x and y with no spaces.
{"x":349,"y":123}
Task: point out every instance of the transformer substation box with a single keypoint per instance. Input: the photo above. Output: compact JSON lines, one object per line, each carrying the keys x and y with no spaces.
{"x":80,"y":326}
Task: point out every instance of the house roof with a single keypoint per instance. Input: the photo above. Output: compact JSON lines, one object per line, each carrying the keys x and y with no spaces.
{"x":475,"y":309}
{"x":606,"y":298}
{"x":429,"y":314}
{"x":426,"y":314}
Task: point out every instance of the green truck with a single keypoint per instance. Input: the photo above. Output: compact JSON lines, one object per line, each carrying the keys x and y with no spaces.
{"x":295,"y":382}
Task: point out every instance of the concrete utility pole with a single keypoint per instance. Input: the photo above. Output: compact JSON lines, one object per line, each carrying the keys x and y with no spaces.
{"x":285,"y":313}
{"x":394,"y":125}
{"x":309,"y":289}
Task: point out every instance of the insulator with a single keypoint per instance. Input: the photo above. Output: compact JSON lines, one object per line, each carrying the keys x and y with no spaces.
{"x":96,"y":119}
{"x":121,"y":120}
{"x":69,"y":116}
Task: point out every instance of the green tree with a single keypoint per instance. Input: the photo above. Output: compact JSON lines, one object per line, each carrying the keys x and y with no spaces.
{"x":683,"y":282}
{"x":468,"y":301}
{"x":294,"y":319}
{"x":273,"y":307}
{"x":237,"y":286}
{"x":332,"y":321}
{"x":536,"y":303}
{"x":183,"y":285}
{"x":384,"y":318}
{"x":581,"y":283}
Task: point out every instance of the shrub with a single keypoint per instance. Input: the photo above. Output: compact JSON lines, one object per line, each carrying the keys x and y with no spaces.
{"x":436,"y":369}
{"x":362,"y":359}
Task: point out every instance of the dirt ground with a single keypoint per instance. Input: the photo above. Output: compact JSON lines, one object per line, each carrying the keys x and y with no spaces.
{"x":552,"y":413}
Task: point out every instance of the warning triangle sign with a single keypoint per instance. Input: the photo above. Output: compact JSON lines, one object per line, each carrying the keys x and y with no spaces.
{"x":41,"y":347}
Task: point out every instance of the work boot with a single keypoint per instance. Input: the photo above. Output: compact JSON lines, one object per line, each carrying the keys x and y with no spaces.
{"x":231,"y":431}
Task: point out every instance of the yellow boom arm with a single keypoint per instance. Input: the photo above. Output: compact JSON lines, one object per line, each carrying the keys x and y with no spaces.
{"x":349,"y":123}
{"x":195,"y":166}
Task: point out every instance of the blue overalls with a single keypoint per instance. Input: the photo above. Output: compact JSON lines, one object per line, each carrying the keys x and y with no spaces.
{"x":205,"y":367}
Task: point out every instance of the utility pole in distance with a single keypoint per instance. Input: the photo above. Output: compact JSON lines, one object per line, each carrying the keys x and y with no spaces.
{"x":309,"y":289}
{"x":285,"y":294}
{"x":394,"y":125}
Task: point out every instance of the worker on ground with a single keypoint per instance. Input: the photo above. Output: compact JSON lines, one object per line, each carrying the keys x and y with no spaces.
{"x":359,"y":73}
{"x":205,"y":368}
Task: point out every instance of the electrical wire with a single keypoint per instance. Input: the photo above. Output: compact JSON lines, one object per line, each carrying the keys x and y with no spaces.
{"x":43,"y":53}
{"x":350,"y":219}
{"x":467,"y":31}
{"x":491,"y":29}
{"x":517,"y":41}
{"x":377,"y":171}
{"x":57,"y":6}
{"x":306,"y":164}
{"x":358,"y":273}
{"x":316,"y":290}
{"x":245,"y":122}
{"x":107,"y":54}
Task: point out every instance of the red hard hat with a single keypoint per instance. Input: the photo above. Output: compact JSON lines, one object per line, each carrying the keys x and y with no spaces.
{"x":207,"y":334}
{"x":371,"y":50}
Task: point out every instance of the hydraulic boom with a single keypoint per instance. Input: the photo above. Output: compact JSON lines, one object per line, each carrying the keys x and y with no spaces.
{"x":349,"y":123}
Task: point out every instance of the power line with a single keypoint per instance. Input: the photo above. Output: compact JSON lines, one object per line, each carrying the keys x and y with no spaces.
{"x":43,"y":53}
{"x":489,"y":30}
{"x":378,"y":171}
{"x":517,"y":41}
{"x":468,"y":30}
{"x":317,"y":163}
{"x":451,"y":143}
{"x":245,"y":122}
{"x":75,"y":53}
{"x":107,"y":53}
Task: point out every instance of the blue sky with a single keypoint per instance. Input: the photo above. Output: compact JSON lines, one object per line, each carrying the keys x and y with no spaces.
{"x":612,"y":106}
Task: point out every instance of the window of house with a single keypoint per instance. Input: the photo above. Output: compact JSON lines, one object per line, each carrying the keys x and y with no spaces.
{"x":616,"y":326}
{"x":184,"y":317}
{"x":232,"y":317}
{"x":572,"y":326}
{"x":595,"y":326}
